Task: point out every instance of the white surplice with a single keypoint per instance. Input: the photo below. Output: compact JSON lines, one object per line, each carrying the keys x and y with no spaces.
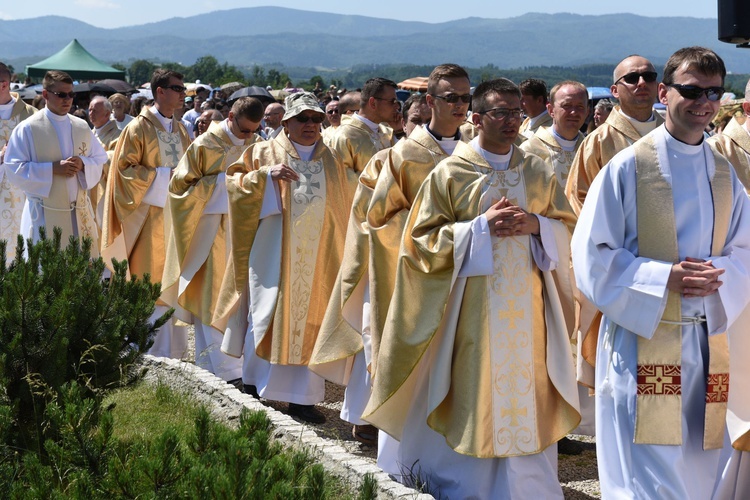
{"x":631,"y":292}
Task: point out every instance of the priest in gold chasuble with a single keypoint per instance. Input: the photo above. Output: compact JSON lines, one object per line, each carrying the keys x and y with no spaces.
{"x":475,"y":372}
{"x":288,"y":213}
{"x":134,"y":222}
{"x":662,"y":248}
{"x":734,"y":143}
{"x":198,"y":246}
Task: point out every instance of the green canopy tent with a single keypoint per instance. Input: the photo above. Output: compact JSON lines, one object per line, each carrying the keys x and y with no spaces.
{"x":77,"y":62}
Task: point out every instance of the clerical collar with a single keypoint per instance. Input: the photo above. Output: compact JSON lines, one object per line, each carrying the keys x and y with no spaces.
{"x":370,"y":124}
{"x":165,"y":122}
{"x":305,"y":152}
{"x":235,"y":140}
{"x":564,"y":143}
{"x":533,"y":121}
{"x":630,"y":118}
{"x":496,"y":161}
{"x":682,"y":147}
{"x":55,"y":116}
{"x":456,"y":136}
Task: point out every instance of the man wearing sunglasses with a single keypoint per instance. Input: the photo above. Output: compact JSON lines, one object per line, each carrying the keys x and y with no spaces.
{"x":662,"y":248}
{"x":366,"y":133}
{"x":463,"y":378}
{"x":635,"y":88}
{"x":54,"y":158}
{"x":12,"y":112}
{"x":288,"y":207}
{"x":333,"y":116}
{"x":134,"y":225}
{"x":198,"y":246}
{"x":734,"y":142}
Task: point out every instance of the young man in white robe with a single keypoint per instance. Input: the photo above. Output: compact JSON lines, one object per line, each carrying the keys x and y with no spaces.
{"x":55,"y":159}
{"x":664,"y":239}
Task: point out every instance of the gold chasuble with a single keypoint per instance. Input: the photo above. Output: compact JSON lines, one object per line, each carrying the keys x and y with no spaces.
{"x":292,"y":256}
{"x":11,"y":197}
{"x":734,"y":144}
{"x":131,"y":229}
{"x":544,"y":144}
{"x":495,"y":348}
{"x":197,"y":248}
{"x":658,"y":394}
{"x":58,"y":209}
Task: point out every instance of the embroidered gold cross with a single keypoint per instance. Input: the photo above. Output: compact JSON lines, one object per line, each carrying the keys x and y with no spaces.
{"x":513,"y":412}
{"x":512,"y":314}
{"x":659,"y":380}
{"x":82,"y":149}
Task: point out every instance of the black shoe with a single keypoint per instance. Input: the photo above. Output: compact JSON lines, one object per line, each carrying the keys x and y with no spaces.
{"x":569,"y":447}
{"x":307,"y":413}
{"x":250,"y":389}
{"x":236,"y":383}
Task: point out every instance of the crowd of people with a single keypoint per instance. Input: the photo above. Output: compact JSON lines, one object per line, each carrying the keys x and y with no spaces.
{"x":483,"y":270}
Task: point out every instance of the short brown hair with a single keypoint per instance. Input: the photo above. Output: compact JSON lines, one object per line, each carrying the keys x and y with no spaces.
{"x":248,"y":108}
{"x":161,"y":77}
{"x":53,"y":77}
{"x":444,"y":71}
{"x":5,"y":71}
{"x":374,"y":88}
{"x":704,"y":60}
{"x":534,"y":87}
{"x":572,"y":83}
{"x":501,"y":86}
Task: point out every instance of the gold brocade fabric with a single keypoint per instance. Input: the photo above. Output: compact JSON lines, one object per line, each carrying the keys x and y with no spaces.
{"x":143,"y":145}
{"x":484,"y":395}
{"x":598,"y":148}
{"x":288,"y":340}
{"x":108,"y":136}
{"x":525,"y":130}
{"x":354,"y":143}
{"x":545,"y":146}
{"x":734,"y":144}
{"x":190,"y":189}
{"x":11,"y":197}
{"x":659,"y":390}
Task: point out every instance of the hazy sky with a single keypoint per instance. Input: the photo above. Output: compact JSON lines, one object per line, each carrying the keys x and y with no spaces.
{"x":115,"y":13}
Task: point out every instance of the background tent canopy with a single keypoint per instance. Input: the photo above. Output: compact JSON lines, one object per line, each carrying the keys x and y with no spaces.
{"x":77,"y":62}
{"x":416,"y":84}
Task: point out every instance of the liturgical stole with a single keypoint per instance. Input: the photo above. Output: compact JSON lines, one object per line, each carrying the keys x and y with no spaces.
{"x":659,"y":390}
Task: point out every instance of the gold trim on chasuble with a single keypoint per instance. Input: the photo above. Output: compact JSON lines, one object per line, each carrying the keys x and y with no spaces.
{"x":659,"y":374}
{"x":11,"y":197}
{"x":510,"y":293}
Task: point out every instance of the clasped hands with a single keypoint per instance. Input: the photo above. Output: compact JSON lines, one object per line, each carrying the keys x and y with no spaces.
{"x":694,"y":278}
{"x":282,"y":172}
{"x":68,"y":167}
{"x":507,"y":219}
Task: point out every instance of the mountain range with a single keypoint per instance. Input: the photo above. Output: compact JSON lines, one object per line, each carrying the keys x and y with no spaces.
{"x":273,"y":35}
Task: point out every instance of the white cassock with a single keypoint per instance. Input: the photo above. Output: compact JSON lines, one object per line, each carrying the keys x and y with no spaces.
{"x":631,"y":292}
{"x":291,"y":383}
{"x":35,"y":178}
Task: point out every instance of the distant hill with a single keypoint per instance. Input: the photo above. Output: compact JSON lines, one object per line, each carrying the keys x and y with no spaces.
{"x":266,"y":35}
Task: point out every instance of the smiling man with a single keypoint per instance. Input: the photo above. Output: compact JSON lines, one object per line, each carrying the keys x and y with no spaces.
{"x":288,"y":209}
{"x":662,"y":248}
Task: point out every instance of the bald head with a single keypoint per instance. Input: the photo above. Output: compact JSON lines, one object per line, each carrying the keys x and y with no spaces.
{"x":637,"y":98}
{"x":274,"y":114}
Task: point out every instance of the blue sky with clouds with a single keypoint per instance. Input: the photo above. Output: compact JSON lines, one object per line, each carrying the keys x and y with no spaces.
{"x":116,"y":13}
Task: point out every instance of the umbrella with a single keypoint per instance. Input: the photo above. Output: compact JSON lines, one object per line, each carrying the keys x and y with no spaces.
{"x":231,"y":86}
{"x":416,"y":84}
{"x":120,"y":86}
{"x":597,"y":93}
{"x":94,"y":87}
{"x":279,"y":95}
{"x":253,"y":91}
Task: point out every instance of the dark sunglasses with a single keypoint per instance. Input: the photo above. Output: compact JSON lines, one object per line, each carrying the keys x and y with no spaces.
{"x":242,"y":130}
{"x":177,"y":88}
{"x":316,"y":118}
{"x":634,"y":77}
{"x":63,"y":95}
{"x":333,"y":111}
{"x":454,"y":98}
{"x":693,"y":92}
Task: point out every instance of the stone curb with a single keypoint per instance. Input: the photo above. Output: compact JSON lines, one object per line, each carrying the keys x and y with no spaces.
{"x":226,"y":403}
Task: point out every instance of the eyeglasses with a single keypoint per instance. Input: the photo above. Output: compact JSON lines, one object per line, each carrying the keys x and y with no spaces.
{"x":177,"y":88}
{"x":693,"y":92}
{"x":63,"y":95}
{"x":242,"y":130}
{"x":394,"y":101}
{"x":503,"y":113}
{"x":634,"y":77}
{"x":316,"y":118}
{"x":332,"y":111}
{"x":454,"y":98}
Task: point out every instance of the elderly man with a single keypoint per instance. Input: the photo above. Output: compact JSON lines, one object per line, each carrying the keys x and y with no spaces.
{"x":734,"y":142}
{"x":664,"y":238}
{"x":472,"y":375}
{"x":558,"y":143}
{"x":288,"y":212}
{"x":333,"y":116}
{"x":273,"y":115}
{"x":355,"y":316}
{"x":205,"y":119}
{"x":601,"y":111}
{"x":12,"y":112}
{"x":534,"y":105}
{"x":361,"y":137}
{"x":106,"y":130}
{"x":134,"y":223}
{"x":198,"y":248}
{"x":55,"y":159}
{"x":416,"y":112}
